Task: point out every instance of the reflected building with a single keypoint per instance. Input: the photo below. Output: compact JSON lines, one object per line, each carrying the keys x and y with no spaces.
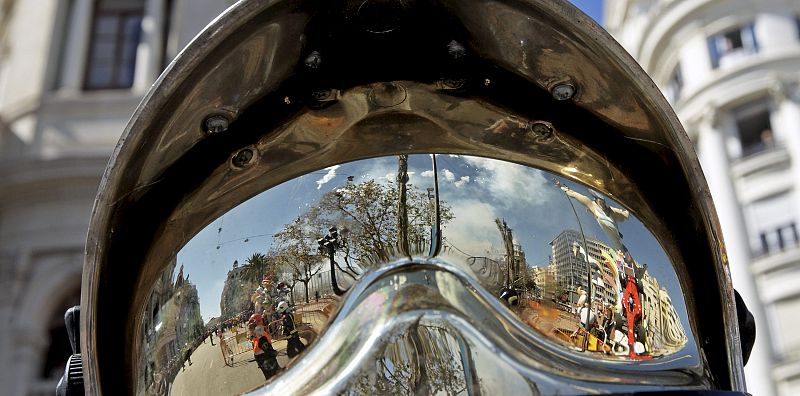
{"x":673,"y":334}
{"x":236,"y":292}
{"x":651,"y":308}
{"x":664,"y":328}
{"x":544,"y":277}
{"x":173,"y":327}
{"x":665,"y":333}
{"x":570,"y":269}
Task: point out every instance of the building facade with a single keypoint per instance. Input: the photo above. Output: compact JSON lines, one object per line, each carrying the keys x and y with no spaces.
{"x":71,"y":74}
{"x":571,"y":270}
{"x":731,"y":69}
{"x":665,"y":333}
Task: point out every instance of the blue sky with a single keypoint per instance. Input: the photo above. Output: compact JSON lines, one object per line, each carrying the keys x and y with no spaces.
{"x":594,"y":8}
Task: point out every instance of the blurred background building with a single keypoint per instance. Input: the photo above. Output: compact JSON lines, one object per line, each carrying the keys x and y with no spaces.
{"x":731,"y":70}
{"x":72,"y":72}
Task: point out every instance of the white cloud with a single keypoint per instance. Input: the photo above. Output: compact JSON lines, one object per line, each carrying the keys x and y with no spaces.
{"x":427,"y":173}
{"x":472,"y":229}
{"x":448,"y":175}
{"x":511,"y":184}
{"x":462,"y":181}
{"x":328,"y":176}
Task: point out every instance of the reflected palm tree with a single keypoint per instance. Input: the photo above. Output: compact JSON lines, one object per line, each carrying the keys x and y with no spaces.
{"x":256,"y":267}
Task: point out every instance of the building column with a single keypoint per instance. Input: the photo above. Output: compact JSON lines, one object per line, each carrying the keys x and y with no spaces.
{"x":786,"y":96}
{"x":716,"y":166}
{"x":149,"y":53}
{"x":26,"y":355}
{"x":77,"y":45}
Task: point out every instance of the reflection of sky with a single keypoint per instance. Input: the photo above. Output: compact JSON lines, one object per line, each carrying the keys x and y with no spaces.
{"x":478,"y":190}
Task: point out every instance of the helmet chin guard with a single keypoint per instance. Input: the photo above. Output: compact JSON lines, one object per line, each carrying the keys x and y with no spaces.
{"x":419,"y":179}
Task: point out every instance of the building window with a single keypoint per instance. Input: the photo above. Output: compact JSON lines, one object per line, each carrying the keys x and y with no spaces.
{"x":730,"y":45}
{"x":674,"y":85}
{"x":754,"y":128}
{"x":779,"y":238}
{"x":786,"y":319}
{"x":771,"y":226}
{"x":116,"y":30}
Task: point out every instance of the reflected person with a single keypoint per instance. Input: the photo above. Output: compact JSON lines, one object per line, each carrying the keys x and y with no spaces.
{"x":263,"y":352}
{"x":606,"y":216}
{"x":293,"y":344}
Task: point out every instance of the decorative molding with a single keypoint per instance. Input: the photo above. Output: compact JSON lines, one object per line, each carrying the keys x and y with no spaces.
{"x":710,"y":117}
{"x":783,"y":88}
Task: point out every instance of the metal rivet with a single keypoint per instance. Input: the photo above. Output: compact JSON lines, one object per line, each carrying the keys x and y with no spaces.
{"x":313,"y":60}
{"x":541,"y":129}
{"x":387,"y":94}
{"x":323,"y":97}
{"x":563,"y":91}
{"x":242,"y":158}
{"x":216,"y":124}
{"x":322,"y":94}
{"x":451,"y":83}
{"x":456,"y":50}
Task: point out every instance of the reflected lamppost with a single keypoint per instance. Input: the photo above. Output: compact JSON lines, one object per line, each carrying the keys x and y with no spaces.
{"x":328,"y":245}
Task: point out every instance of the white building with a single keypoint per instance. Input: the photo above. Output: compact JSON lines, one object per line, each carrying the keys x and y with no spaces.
{"x":71,"y":74}
{"x":731,"y":69}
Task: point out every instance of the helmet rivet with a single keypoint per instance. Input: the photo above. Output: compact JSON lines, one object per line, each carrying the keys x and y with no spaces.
{"x":242,"y":158}
{"x":541,"y":129}
{"x":313,"y":60}
{"x":456,"y":50}
{"x":563,"y":91}
{"x":216,"y":124}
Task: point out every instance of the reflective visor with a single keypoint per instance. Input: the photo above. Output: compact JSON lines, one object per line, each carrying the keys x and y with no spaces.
{"x":349,"y":200}
{"x":424,"y":273}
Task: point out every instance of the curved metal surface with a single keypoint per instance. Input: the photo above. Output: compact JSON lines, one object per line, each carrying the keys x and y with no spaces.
{"x":488,"y":211}
{"x":386,"y":86}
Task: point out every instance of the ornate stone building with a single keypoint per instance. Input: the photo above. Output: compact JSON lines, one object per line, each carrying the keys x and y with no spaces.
{"x":71,"y":74}
{"x":236,"y":292}
{"x":731,"y":70}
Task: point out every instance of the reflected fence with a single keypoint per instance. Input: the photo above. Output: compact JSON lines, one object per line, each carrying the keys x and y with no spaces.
{"x":319,"y":286}
{"x":310,"y":318}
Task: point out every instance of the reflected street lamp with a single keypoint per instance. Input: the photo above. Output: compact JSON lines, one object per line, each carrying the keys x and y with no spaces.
{"x":328,"y":245}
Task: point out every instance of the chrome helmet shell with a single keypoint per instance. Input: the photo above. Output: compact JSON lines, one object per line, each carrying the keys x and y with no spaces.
{"x":275,"y":90}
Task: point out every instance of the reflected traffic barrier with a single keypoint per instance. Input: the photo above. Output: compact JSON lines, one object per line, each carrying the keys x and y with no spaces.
{"x":236,"y":345}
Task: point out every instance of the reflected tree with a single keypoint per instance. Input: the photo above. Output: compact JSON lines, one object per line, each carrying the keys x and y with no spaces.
{"x":368,"y":211}
{"x":295,"y":247}
{"x":257,"y":266}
